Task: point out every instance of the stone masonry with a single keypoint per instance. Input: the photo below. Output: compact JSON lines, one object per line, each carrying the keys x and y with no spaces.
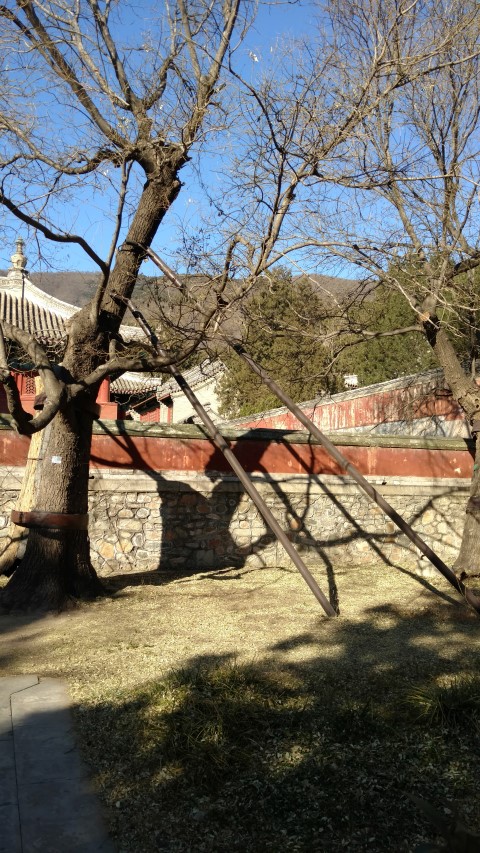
{"x":142,"y":521}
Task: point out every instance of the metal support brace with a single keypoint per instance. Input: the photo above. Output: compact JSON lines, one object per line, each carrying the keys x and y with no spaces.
{"x":245,"y":480}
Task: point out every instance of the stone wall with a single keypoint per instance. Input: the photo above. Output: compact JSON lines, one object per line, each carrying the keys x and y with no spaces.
{"x":163,"y":498}
{"x":174,"y":520}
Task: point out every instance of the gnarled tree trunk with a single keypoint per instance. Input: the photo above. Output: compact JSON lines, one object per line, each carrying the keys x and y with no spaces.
{"x":467,"y":564}
{"x":56,"y":567}
{"x":125,"y":127}
{"x":16,"y":536}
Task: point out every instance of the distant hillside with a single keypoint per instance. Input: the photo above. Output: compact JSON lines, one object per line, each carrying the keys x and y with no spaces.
{"x":339,"y":288}
{"x":73,"y":287}
{"x":78,"y":287}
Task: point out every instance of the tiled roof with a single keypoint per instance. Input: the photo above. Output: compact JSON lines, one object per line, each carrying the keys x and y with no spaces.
{"x":139,"y":383}
{"x":195,"y":376}
{"x":26,"y":306}
{"x":47,"y":326}
{"x":135,"y":383}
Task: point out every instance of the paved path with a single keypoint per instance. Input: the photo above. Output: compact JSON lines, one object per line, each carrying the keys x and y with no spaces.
{"x":46,"y":804}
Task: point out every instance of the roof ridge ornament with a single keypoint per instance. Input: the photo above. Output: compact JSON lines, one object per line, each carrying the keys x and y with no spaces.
{"x":18,"y":259}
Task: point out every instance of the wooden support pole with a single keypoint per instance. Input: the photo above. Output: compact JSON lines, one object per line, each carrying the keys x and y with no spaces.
{"x":253,"y":492}
{"x":367,"y":487}
{"x":242,"y":475}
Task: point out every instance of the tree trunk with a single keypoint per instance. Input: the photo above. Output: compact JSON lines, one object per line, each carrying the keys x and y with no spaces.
{"x":467,"y":393}
{"x":158,"y":195}
{"x":16,"y":536}
{"x":467,"y":564}
{"x":56,"y":567}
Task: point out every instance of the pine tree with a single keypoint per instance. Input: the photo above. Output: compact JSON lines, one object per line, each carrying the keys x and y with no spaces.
{"x":284,"y":324}
{"x":383,"y":358}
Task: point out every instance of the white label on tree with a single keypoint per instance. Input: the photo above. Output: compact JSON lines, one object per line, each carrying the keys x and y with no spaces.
{"x":56,"y":460}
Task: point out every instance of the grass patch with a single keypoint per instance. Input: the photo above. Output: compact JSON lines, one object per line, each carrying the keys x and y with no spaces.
{"x":453,"y":703}
{"x":225,"y":713}
{"x":224,"y":756}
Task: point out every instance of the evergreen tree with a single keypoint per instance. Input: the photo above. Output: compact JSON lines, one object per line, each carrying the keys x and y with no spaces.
{"x":283,"y":326}
{"x":382,"y":358}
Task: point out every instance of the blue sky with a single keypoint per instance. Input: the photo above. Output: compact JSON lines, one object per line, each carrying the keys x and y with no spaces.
{"x":272,"y":23}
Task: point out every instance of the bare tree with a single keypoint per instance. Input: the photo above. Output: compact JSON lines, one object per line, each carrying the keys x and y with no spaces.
{"x":129,"y":109}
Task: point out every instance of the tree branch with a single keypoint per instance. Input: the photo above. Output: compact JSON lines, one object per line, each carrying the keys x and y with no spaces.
{"x":45,"y":44}
{"x":52,"y":235}
{"x":54,"y":389}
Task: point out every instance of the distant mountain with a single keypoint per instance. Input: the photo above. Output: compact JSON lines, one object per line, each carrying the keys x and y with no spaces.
{"x":78,"y":287}
{"x":73,"y":287}
{"x":339,"y":288}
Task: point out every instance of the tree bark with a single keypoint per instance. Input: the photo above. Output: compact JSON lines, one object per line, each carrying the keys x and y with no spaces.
{"x":16,"y":536}
{"x":467,"y":564}
{"x":158,"y":195}
{"x":467,"y":393}
{"x":56,"y":568}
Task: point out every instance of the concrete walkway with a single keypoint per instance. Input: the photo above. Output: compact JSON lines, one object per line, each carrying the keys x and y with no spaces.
{"x":46,"y":804}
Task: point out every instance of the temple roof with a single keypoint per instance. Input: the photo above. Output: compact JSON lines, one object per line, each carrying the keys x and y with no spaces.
{"x":25,"y":306}
{"x":135,"y":383}
{"x":48,"y":327}
{"x":28,"y":308}
{"x":197,"y":375}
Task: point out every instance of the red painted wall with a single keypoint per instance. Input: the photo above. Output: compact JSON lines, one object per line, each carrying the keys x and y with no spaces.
{"x":147,"y":452}
{"x":275,"y":457}
{"x":13,"y":448}
{"x":370,"y":408}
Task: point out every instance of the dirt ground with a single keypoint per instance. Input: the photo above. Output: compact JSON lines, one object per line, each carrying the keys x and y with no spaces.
{"x":153,"y":622}
{"x":311,"y":740}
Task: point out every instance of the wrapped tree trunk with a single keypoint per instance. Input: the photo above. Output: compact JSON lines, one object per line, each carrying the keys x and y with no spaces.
{"x":56,"y":566}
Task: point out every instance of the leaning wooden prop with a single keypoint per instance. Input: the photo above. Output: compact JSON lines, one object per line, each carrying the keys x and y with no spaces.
{"x":467,"y":594}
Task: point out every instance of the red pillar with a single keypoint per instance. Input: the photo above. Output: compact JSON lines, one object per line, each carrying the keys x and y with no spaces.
{"x":108,"y":408}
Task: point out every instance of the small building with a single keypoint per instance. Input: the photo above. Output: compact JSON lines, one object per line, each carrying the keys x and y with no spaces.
{"x":203,"y":379}
{"x":151,"y":399}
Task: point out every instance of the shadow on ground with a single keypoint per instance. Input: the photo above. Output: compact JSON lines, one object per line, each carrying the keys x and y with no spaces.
{"x":319,"y":745}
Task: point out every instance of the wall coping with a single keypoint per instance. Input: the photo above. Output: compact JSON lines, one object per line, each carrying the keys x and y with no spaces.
{"x":194,"y":432}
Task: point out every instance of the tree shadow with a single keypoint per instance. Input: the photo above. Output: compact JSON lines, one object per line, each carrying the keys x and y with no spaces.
{"x":318,"y":745}
{"x":296,"y":518}
{"x":204,"y":541}
{"x":20,"y":622}
{"x":206,"y":518}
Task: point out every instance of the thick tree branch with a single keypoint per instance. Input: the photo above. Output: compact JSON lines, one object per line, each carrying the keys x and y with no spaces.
{"x":54,"y":389}
{"x":463,"y":387}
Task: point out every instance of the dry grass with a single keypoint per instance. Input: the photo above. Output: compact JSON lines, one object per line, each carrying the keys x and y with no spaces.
{"x":224,"y":712}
